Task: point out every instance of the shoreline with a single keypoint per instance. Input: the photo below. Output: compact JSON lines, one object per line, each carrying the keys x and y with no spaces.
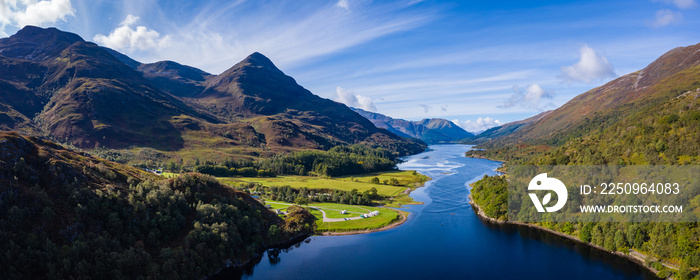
{"x":632,"y":258}
{"x":403,"y":217}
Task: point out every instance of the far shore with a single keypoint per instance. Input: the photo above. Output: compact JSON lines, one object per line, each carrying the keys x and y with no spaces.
{"x":637,"y":258}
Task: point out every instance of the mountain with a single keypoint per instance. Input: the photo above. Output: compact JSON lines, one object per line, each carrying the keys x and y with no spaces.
{"x":77,"y":92}
{"x":666,"y":78}
{"x":65,"y":213}
{"x":505,"y":129}
{"x":649,"y":117}
{"x":428,"y":130}
{"x":56,"y":85}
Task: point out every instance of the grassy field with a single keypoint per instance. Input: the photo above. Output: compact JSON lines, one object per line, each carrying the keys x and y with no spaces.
{"x":361,"y":183}
{"x":386,"y":216}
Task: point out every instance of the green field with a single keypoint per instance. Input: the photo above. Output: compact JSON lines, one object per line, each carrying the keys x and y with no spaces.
{"x":348,"y":183}
{"x":386,"y":216}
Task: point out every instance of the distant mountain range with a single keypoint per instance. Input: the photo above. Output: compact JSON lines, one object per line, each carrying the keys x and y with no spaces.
{"x":428,"y":130}
{"x":56,"y":85}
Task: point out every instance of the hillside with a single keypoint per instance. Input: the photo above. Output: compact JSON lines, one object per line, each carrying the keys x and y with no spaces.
{"x":64,"y":213}
{"x":667,"y":77}
{"x":428,"y":130}
{"x":56,"y":85}
{"x":649,"y":117}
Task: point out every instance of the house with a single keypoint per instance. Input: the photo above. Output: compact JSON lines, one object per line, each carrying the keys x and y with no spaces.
{"x":268,"y":206}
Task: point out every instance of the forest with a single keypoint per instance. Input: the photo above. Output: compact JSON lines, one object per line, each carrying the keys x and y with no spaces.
{"x":338,"y":161}
{"x":306,"y":195}
{"x":67,"y":215}
{"x":658,"y":134}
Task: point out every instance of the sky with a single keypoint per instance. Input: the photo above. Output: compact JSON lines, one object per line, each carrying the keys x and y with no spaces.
{"x":477,"y":63}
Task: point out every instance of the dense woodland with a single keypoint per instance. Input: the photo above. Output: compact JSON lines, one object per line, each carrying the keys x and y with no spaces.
{"x":658,"y":134}
{"x":305,"y":195}
{"x":338,"y":161}
{"x":65,"y":215}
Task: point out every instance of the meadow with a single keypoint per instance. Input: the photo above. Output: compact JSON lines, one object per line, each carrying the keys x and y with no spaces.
{"x":345,"y":183}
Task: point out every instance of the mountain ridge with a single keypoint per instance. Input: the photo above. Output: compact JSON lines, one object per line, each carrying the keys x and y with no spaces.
{"x":433,"y":130}
{"x":62,"y":87}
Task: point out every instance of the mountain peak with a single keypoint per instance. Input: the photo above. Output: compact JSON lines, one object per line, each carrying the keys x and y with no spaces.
{"x":40,"y":35}
{"x":258,"y":60}
{"x":36,"y":43}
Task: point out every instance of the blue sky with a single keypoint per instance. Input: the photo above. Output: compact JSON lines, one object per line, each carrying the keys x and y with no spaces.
{"x":478,"y":63}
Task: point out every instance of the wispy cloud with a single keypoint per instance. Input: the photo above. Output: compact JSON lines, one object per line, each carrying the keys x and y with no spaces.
{"x":355,"y":100}
{"x":666,"y":17}
{"x":220,"y":36}
{"x":479,"y":125}
{"x":125,"y":37}
{"x":681,"y":4}
{"x":33,"y":12}
{"x":426,"y":107}
{"x":343,"y":4}
{"x":590,"y":67}
{"x":530,"y":98}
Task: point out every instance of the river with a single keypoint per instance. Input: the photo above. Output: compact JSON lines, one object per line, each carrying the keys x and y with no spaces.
{"x":442,"y":239}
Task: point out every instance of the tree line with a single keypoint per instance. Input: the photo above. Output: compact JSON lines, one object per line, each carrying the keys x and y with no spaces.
{"x":306,"y":195}
{"x":338,"y":161}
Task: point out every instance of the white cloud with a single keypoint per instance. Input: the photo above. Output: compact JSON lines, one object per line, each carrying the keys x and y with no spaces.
{"x":343,"y":4}
{"x":681,"y":4}
{"x":129,"y":20}
{"x":530,"y":98}
{"x":666,"y":17}
{"x":351,"y":99}
{"x":479,"y":125}
{"x":590,"y":67}
{"x":32,"y":12}
{"x":125,"y":37}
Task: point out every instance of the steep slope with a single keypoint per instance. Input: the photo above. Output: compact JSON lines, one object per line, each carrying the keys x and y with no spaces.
{"x":650,"y":117}
{"x":77,"y":92}
{"x":665,"y":78}
{"x":56,"y":85}
{"x":64,"y":213}
{"x":428,"y":130}
{"x":255,"y":91}
{"x":174,"y":78}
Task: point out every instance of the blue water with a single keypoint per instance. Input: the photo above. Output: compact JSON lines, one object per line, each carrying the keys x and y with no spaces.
{"x":442,"y":239}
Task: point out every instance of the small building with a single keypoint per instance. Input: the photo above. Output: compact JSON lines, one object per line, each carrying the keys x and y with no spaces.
{"x":344,"y":212}
{"x":268,"y":206}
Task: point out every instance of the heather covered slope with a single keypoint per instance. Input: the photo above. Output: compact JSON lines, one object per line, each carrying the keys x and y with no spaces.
{"x":65,"y":214}
{"x":667,"y":77}
{"x":76,"y":92}
{"x":54,"y":84}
